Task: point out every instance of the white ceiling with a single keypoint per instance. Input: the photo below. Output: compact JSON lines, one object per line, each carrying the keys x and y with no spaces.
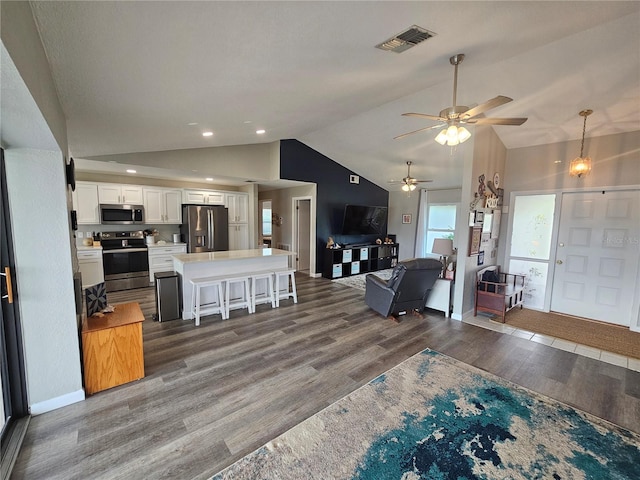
{"x":131,"y":76}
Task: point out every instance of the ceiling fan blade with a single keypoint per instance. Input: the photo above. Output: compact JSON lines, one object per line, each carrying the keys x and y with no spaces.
{"x":416,"y":131}
{"x":483,"y":107}
{"x":424,"y":115}
{"x":496,"y":121}
{"x":422,"y":181}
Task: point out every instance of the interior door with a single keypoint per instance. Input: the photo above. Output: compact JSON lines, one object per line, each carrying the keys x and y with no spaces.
{"x":13,"y":398}
{"x":597,"y":255}
{"x":303,"y":211}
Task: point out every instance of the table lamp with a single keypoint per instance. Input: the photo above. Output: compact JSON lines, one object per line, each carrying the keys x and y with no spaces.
{"x":444,"y":248}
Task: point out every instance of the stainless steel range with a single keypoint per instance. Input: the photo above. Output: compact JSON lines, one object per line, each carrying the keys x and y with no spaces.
{"x":125,"y":260}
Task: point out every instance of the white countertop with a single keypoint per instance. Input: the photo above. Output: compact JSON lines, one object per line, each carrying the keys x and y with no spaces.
{"x":85,"y":248}
{"x":165,"y":244}
{"x":230,"y":255}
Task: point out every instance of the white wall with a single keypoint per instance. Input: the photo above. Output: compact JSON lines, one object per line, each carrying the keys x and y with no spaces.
{"x":37,"y":189}
{"x":401,"y":203}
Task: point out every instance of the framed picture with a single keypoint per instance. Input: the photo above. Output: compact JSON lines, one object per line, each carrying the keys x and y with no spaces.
{"x":479,"y":219}
{"x":481,"y":258}
{"x":475,"y":234}
{"x":406,"y":218}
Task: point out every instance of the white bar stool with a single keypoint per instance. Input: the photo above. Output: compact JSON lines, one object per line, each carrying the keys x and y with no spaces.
{"x":245,"y":300}
{"x":268,"y":296}
{"x":197,"y":308}
{"x":284,"y":275}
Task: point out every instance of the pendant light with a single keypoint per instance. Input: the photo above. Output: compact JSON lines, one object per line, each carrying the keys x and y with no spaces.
{"x":581,"y":166}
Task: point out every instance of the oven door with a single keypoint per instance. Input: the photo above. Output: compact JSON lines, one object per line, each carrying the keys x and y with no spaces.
{"x":125,"y":269}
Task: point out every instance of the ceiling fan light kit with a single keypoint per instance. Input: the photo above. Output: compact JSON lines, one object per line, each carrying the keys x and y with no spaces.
{"x":581,"y":166}
{"x":409,"y":183}
{"x":453,"y":117}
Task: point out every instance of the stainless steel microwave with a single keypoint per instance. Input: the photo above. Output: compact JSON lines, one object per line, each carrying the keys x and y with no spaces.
{"x":121,"y":214}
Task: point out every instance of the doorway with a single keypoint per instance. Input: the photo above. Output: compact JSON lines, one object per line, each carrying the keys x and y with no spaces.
{"x":597,"y":256}
{"x":266,"y":221}
{"x":302,"y":233}
{"x":13,"y":397}
{"x":579,"y":252}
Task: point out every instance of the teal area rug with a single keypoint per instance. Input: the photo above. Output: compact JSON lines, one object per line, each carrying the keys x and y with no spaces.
{"x":359,"y":281}
{"x":432,"y":417}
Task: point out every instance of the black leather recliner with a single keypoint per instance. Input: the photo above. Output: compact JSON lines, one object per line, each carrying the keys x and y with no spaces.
{"x":407,"y":289}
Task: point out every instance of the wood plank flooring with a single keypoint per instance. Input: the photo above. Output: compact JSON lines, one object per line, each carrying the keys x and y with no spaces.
{"x":216,"y":392}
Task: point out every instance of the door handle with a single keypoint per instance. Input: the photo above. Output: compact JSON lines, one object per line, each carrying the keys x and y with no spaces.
{"x":7,"y":276}
{"x":559,"y":262}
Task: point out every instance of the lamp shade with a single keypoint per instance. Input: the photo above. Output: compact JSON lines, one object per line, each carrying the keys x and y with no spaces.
{"x":442,"y":246}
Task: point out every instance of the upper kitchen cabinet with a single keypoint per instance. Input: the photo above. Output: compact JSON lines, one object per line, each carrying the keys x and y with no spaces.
{"x":112,"y":193}
{"x":238,"y":205}
{"x":162,"y":205}
{"x":203,"y":197}
{"x":85,"y":203}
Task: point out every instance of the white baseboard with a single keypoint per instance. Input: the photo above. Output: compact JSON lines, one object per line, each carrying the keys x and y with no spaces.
{"x":57,"y":402}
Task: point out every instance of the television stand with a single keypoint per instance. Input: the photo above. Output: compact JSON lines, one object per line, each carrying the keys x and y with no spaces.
{"x":353,"y":260}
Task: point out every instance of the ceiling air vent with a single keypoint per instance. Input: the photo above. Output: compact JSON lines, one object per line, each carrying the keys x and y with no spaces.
{"x":405,"y":40}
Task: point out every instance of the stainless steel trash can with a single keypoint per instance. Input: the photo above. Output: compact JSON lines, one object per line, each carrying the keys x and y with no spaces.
{"x":167,"y":296}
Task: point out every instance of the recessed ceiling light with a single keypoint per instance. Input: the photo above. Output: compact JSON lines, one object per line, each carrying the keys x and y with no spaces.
{"x":207,"y":134}
{"x":129,"y":170}
{"x":209,"y":179}
{"x":247,"y":121}
{"x":191,"y":124}
{"x":260,"y":132}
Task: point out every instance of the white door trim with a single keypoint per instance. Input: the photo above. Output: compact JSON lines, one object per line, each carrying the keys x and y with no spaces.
{"x":312,"y":230}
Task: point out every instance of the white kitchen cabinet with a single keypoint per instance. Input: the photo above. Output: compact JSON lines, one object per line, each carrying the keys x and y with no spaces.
{"x":90,"y":265}
{"x":238,"y":205}
{"x":85,"y":203}
{"x":203,"y":197}
{"x":113,"y":193}
{"x":160,"y":257}
{"x":238,"y":236}
{"x":162,"y":205}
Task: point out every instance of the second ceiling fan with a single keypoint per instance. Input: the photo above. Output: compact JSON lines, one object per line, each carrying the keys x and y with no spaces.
{"x":453,"y":118}
{"x":409,"y":183}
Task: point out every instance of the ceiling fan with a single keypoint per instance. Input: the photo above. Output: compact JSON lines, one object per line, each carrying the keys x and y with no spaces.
{"x":409,"y":183}
{"x":453,"y":118}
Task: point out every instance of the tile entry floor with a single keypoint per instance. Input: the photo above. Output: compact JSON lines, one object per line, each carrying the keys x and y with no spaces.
{"x":591,"y":352}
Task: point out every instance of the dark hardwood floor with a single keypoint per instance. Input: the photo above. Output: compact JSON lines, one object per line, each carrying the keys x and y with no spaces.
{"x":216,"y":392}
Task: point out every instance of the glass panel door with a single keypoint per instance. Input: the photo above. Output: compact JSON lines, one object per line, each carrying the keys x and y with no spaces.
{"x":530,"y":246}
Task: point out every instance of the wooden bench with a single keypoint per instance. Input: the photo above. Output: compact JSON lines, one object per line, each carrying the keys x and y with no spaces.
{"x":498,"y":297}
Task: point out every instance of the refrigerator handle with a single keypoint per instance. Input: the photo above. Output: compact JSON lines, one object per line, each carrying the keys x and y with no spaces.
{"x":210,"y":229}
{"x":213,"y":230}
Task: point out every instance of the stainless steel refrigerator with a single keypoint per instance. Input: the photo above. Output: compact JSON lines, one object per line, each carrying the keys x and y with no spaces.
{"x":205,"y":228}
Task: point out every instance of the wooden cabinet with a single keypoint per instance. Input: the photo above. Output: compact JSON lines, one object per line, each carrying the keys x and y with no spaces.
{"x":112,"y":193}
{"x":160,"y":258}
{"x":343,"y":262}
{"x":85,"y":203}
{"x":91,"y":267}
{"x":238,"y":205}
{"x":162,"y":205}
{"x":112,"y":351}
{"x":203,"y":197}
{"x":238,"y":236}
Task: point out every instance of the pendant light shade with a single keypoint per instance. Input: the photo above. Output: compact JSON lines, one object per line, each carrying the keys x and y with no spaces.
{"x":581,"y":166}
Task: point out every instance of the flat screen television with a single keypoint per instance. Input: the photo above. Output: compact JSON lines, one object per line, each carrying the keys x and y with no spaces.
{"x":364,"y":220}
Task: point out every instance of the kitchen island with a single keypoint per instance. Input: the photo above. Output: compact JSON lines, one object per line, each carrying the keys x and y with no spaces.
{"x":233,"y":262}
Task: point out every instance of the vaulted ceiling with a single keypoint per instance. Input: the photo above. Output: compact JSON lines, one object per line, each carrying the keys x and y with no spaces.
{"x":137,"y":76}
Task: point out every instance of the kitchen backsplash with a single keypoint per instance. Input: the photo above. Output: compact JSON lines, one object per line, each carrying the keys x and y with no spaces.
{"x":165,"y":232}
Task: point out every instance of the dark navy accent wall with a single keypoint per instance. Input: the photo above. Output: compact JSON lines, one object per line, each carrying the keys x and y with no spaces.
{"x":302,"y":163}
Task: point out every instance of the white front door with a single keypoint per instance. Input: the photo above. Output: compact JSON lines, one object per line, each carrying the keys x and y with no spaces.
{"x":597,"y":256}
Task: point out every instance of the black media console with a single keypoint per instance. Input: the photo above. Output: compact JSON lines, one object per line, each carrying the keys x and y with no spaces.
{"x":352,"y":260}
